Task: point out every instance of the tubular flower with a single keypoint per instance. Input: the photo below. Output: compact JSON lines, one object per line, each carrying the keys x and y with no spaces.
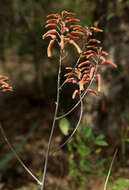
{"x":99,"y":82}
{"x":62,"y":42}
{"x":109,"y":63}
{"x":74,"y":94}
{"x":50,"y":32}
{"x":92,"y":91}
{"x":49,"y":48}
{"x":76,"y":46}
{"x":50,"y":25}
{"x":96,"y":29}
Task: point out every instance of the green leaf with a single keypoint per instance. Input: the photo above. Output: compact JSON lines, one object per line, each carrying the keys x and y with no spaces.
{"x":70,"y":146}
{"x":89,"y":167}
{"x":64,"y":126}
{"x":109,"y":16}
{"x":88,"y":132}
{"x":121,"y":184}
{"x":100,"y":137}
{"x":127,"y":140}
{"x":101,"y":143}
{"x":84,"y":151}
{"x":100,"y":162}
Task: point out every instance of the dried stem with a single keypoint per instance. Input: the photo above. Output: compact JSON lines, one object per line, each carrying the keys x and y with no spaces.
{"x":53,"y":125}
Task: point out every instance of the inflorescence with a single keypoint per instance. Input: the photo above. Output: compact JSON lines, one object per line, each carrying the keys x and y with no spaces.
{"x":64,"y":29}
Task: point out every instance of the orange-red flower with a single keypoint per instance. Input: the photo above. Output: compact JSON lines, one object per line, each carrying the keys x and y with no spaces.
{"x":49,"y":48}
{"x":99,"y":82}
{"x":109,"y":63}
{"x":76,"y":46}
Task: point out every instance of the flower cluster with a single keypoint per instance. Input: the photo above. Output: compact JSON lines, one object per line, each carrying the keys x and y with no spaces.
{"x":66,"y":30}
{"x":92,"y":56}
{"x":5,"y":87}
{"x":63,"y":30}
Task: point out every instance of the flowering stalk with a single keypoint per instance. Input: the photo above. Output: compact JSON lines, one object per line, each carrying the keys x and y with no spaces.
{"x":65,"y":31}
{"x":62,"y":38}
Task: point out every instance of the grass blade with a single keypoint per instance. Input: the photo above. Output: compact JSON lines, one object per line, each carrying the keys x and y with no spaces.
{"x":109,"y":172}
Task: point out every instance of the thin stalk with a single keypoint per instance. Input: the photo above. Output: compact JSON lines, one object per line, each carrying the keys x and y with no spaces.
{"x":53,"y":124}
{"x":76,"y":127}
{"x":16,"y":155}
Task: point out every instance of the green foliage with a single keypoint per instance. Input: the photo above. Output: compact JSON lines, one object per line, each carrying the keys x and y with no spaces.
{"x":84,"y":150}
{"x":119,"y":184}
{"x":127,"y":2}
{"x":123,"y":132}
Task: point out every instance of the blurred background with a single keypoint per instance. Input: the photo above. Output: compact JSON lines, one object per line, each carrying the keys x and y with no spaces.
{"x":26,"y":113}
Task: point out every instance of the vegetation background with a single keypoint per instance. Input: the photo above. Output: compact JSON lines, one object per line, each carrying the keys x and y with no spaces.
{"x":26,"y":114}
